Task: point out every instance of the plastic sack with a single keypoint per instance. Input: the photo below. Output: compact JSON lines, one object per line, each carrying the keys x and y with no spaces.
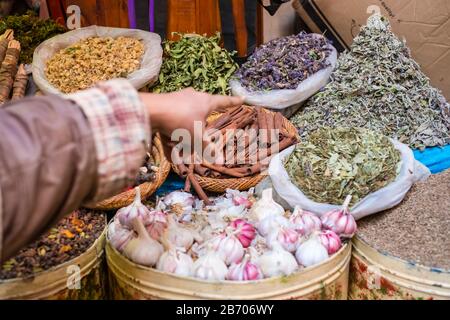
{"x":411,"y":171}
{"x":279,"y":99}
{"x":150,"y":64}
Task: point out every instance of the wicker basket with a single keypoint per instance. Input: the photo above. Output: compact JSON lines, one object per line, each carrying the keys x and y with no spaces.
{"x":147,"y":189}
{"x":241,"y":184}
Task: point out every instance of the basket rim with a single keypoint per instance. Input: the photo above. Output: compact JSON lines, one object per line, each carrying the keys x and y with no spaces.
{"x":123,"y":199}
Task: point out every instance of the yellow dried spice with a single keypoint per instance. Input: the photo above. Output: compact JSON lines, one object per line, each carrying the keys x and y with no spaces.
{"x":93,"y":59}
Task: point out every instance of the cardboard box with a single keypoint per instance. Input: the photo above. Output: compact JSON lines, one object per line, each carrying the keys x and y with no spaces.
{"x":424,"y":24}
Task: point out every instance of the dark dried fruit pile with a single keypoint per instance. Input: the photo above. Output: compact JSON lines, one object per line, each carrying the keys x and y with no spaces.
{"x":67,"y":240}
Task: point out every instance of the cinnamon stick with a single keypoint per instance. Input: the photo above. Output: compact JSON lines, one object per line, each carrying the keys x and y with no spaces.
{"x":201,"y":170}
{"x":198,"y":189}
{"x":224,"y":170}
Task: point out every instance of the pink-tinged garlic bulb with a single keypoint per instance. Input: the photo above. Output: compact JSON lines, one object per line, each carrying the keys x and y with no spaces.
{"x":311,"y":252}
{"x":305,"y":222}
{"x":228,"y":247}
{"x":175,"y":260}
{"x":143,"y":250}
{"x":340,"y":221}
{"x":119,"y":235}
{"x":330,"y":240}
{"x":135,"y":210}
{"x":288,"y":238}
{"x":155,"y":223}
{"x":244,"y":271}
{"x":244,"y":231}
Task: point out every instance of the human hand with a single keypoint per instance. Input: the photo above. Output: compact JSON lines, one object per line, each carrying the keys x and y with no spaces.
{"x":179,"y":110}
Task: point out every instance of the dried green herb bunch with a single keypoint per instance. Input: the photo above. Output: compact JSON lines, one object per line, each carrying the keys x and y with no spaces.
{"x":30,"y":31}
{"x":335,"y":162}
{"x":196,"y":61}
{"x":377,"y":85}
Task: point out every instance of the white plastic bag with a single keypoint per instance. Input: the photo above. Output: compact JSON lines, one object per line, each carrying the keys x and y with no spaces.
{"x":383,"y":199}
{"x":282,"y":98}
{"x":147,"y":74}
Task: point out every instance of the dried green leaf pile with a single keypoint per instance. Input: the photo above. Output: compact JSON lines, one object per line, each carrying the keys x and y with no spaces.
{"x":377,"y":85}
{"x":333,"y":163}
{"x":30,"y":31}
{"x":198,"y":62}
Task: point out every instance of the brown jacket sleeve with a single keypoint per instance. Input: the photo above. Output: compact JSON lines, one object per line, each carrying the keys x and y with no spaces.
{"x":47,"y":167}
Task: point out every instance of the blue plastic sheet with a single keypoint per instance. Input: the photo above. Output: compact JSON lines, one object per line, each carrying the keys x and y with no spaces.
{"x":172,"y":183}
{"x":437,"y":159}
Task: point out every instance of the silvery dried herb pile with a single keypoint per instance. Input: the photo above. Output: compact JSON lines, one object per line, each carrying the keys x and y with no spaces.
{"x":418,"y":229}
{"x":198,"y":62}
{"x":72,"y":236}
{"x":333,"y":163}
{"x":285,"y":62}
{"x":377,"y":85}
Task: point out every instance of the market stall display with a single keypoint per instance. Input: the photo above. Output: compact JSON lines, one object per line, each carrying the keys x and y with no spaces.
{"x":286,"y":71}
{"x":195,"y":61}
{"x":77,"y":59}
{"x":30,"y":31}
{"x":377,"y":85}
{"x":331,"y":163}
{"x":40,"y":271}
{"x":149,"y":178}
{"x":246,"y":156}
{"x":238,"y":240}
{"x":410,"y":256}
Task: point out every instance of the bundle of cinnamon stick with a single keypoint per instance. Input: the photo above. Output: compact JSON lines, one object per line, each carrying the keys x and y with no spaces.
{"x":245,"y":139}
{"x":13,"y":78}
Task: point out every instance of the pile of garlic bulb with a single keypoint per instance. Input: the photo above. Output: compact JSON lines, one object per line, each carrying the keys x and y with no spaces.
{"x":236,"y":238}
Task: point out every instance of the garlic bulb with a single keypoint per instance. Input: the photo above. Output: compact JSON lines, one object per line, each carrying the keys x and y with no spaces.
{"x":330,"y":240}
{"x":228,"y":247}
{"x":225,"y":208}
{"x":340,"y":221}
{"x":240,"y":198}
{"x":143,"y":249}
{"x":177,"y":262}
{"x":244,"y":231}
{"x":311,"y":252}
{"x":265,"y":207}
{"x":244,"y":271}
{"x":277,"y":261}
{"x":210,"y":266}
{"x":118,"y":235}
{"x":288,"y":238}
{"x":179,"y":236}
{"x":135,"y":209}
{"x":305,"y":222}
{"x":155,"y":223}
{"x":271,"y":224}
{"x":180,"y":203}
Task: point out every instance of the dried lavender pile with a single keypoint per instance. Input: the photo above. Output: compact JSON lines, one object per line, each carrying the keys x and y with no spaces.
{"x":419,"y":228}
{"x":285,"y":62}
{"x":377,"y":85}
{"x":69,"y":239}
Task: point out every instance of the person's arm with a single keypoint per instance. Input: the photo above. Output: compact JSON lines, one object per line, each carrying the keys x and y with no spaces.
{"x":57,"y":153}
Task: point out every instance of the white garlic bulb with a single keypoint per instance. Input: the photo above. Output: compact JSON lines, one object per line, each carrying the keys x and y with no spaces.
{"x":143,"y":249}
{"x":135,"y":210}
{"x":272,"y":224}
{"x":265,"y":207}
{"x":311,"y":252}
{"x":210,"y":266}
{"x":277,"y":261}
{"x":180,"y":237}
{"x":118,"y":235}
{"x":177,"y":262}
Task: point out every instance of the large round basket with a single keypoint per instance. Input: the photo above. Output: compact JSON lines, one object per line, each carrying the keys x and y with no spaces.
{"x":242,"y":184}
{"x":147,"y":189}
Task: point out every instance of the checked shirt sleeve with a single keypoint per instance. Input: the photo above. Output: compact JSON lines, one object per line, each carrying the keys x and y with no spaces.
{"x":121,"y":127}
